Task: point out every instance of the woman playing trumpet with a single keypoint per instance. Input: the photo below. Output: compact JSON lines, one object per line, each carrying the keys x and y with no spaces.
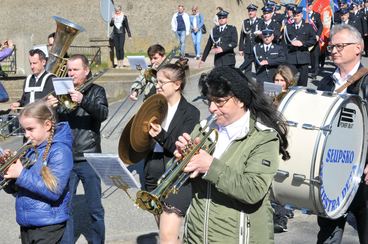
{"x":42,"y":196}
{"x":231,"y":187}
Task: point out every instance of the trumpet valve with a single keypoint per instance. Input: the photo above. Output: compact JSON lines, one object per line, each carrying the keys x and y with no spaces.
{"x":149,"y":202}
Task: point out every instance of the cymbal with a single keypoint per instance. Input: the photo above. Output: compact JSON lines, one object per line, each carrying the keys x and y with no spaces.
{"x":153,"y":110}
{"x":126,"y":153}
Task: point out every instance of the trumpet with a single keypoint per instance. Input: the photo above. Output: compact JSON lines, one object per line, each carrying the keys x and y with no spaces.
{"x":6,"y":162}
{"x":174,"y":177}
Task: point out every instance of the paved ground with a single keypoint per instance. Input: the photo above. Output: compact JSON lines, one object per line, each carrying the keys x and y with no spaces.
{"x":125,"y":223}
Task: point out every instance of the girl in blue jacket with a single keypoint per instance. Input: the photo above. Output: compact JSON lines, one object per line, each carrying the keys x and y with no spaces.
{"x":41,"y":190}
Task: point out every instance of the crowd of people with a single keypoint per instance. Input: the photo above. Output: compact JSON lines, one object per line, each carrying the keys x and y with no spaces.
{"x":227,"y":197}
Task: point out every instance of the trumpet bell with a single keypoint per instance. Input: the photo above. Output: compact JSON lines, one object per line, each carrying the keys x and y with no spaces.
{"x":150,"y":202}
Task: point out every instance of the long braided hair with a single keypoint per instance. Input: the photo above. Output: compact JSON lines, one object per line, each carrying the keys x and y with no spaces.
{"x":42,"y":112}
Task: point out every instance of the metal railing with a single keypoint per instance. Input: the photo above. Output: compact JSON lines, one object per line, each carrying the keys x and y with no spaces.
{"x":93,"y":53}
{"x":9,"y":65}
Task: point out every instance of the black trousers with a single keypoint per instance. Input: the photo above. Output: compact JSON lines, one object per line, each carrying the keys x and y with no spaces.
{"x":246,"y":66}
{"x":119,"y":40}
{"x":331,"y":230}
{"x":314,"y":56}
{"x":303,"y":73}
{"x":42,"y":235}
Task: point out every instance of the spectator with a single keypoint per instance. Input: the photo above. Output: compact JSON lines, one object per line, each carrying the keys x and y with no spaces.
{"x":120,"y":25}
{"x":196,"y":24}
{"x":6,"y":49}
{"x":180,"y":24}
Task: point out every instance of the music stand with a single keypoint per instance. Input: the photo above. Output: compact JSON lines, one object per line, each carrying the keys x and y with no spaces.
{"x":137,"y":62}
{"x":272,"y":89}
{"x":112,"y":171}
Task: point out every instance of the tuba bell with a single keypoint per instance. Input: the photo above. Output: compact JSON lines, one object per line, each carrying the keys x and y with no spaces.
{"x":65,"y":33}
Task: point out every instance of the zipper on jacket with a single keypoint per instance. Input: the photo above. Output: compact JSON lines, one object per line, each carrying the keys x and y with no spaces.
{"x":244,"y":226}
{"x":206,"y":214}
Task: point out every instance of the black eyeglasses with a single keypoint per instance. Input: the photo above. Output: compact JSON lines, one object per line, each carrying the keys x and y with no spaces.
{"x":339,"y":46}
{"x":219,"y":102}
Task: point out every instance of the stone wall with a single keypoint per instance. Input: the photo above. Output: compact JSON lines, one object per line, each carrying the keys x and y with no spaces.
{"x":29,"y":22}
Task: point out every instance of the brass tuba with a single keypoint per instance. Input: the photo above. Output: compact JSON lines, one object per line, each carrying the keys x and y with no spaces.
{"x":174,"y":177}
{"x":64,"y":35}
{"x":5,"y":163}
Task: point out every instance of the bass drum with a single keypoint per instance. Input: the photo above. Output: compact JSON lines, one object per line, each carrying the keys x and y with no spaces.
{"x":327,"y":145}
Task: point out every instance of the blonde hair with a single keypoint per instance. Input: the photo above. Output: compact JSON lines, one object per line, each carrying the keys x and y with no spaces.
{"x":42,"y":112}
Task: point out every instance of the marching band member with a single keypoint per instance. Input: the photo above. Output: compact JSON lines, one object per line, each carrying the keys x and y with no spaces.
{"x":268,"y":56}
{"x":146,"y":83}
{"x":85,"y":122}
{"x":42,"y":193}
{"x":299,"y":36}
{"x":346,"y":47}
{"x":248,"y":38}
{"x":181,"y":117}
{"x":231,"y":187}
{"x":222,"y":41}
{"x":39,"y":83}
{"x":314,"y":19}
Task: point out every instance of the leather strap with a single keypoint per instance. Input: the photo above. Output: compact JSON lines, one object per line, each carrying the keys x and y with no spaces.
{"x":359,"y":74}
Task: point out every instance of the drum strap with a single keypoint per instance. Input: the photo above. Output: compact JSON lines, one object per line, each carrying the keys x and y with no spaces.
{"x":357,"y":76}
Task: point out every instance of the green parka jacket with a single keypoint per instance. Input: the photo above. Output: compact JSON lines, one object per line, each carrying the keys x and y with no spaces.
{"x":231,"y":201}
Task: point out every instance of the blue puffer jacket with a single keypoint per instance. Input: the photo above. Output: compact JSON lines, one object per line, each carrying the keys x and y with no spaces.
{"x":36,"y":205}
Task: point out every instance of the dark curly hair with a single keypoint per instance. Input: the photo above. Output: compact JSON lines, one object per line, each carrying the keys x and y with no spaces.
{"x":227,"y":81}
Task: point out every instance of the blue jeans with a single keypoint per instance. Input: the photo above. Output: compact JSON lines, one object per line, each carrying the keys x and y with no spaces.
{"x":196,"y":37}
{"x":181,"y":37}
{"x":92,"y":190}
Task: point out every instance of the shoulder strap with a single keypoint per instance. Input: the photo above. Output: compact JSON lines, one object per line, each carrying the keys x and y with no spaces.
{"x":359,"y":74}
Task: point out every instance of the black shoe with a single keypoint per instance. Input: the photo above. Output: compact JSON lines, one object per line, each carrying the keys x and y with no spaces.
{"x":289,"y":214}
{"x":277,"y":228}
{"x":3,"y":74}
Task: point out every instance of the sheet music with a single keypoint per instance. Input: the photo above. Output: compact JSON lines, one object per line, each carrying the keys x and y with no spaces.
{"x":137,"y":62}
{"x":111,"y":170}
{"x":272,"y":89}
{"x":62,"y":85}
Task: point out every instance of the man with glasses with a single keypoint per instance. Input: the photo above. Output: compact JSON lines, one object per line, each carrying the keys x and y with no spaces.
{"x":346,"y":47}
{"x":248,"y":38}
{"x":268,"y":56}
{"x":222,"y":41}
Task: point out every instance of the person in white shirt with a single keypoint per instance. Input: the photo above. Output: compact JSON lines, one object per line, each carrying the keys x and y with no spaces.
{"x":346,"y":47}
{"x":180,"y":24}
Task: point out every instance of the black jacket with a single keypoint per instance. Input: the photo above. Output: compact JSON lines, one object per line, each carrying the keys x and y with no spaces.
{"x":247,"y":38}
{"x":47,"y":89}
{"x":273,"y":25}
{"x":358,"y":88}
{"x":275,"y":56}
{"x":227,"y":40}
{"x":305,"y":34}
{"x":124,"y":27}
{"x":85,"y":121}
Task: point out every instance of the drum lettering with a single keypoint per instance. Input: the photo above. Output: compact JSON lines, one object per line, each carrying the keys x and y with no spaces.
{"x":340,"y":156}
{"x":347,"y":186}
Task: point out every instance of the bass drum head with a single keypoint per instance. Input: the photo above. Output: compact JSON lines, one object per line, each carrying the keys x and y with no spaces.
{"x":343,"y":157}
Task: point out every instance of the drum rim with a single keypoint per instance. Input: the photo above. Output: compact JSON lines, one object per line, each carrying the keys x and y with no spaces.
{"x":344,"y":98}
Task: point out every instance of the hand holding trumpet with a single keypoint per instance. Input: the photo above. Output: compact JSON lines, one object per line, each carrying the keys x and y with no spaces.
{"x":200,"y":162}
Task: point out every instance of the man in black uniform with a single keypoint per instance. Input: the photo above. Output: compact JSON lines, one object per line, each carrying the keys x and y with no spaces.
{"x":346,"y":47}
{"x":365,"y":17}
{"x":248,"y":38}
{"x":356,"y":19}
{"x":314,"y":19}
{"x":270,"y":24}
{"x":268,"y":56}
{"x":222,"y":41}
{"x":299,"y":37}
{"x":278,"y":17}
{"x":37,"y":85}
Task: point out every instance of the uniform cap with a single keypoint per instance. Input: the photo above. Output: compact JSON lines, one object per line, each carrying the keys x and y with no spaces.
{"x":290,"y":6}
{"x":298,"y":10}
{"x":267,"y":32}
{"x":344,"y":11}
{"x":252,"y":7}
{"x":267,"y":9}
{"x":222,"y":14}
